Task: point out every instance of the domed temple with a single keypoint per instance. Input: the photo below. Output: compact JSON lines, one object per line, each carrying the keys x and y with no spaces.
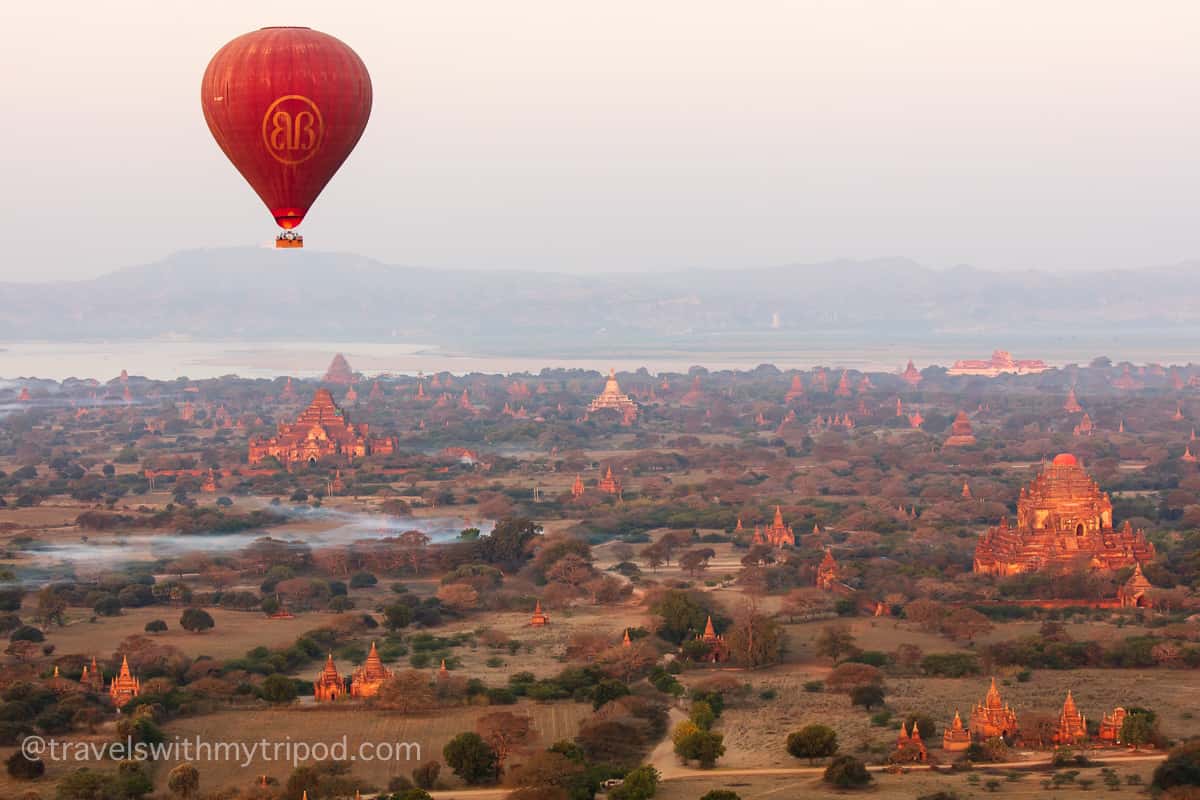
{"x":1064,"y":522}
{"x":613,"y":399}
{"x":322,"y":430}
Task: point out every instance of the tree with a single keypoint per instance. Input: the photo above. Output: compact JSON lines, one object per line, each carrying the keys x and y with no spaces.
{"x":184,"y":781}
{"x":411,"y":793}
{"x":551,"y":774}
{"x":155,"y":626}
{"x":196,"y":620}
{"x":847,"y":772}
{"x":848,"y":676}
{"x":408,"y":691}
{"x":397,"y":616}
{"x":504,"y":731}
{"x":458,"y":596}
{"x":754,"y":640}
{"x":925,"y":725}
{"x":425,"y":775}
{"x":1138,"y":729}
{"x":606,"y":691}
{"x":23,"y":768}
{"x":835,"y":641}
{"x":279,"y":689}
{"x":682,"y":615}
{"x":867,"y":696}
{"x":639,"y":784}
{"x":654,"y":555}
{"x":813,"y":742}
{"x":50,"y":606}
{"x":964,"y":624}
{"x":108,"y":606}
{"x":508,"y":542}
{"x":720,"y":794}
{"x":696,"y":561}
{"x":471,"y":758}
{"x":1182,"y":768}
{"x":701,"y":745}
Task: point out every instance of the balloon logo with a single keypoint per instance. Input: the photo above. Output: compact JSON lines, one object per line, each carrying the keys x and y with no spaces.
{"x":286,"y":106}
{"x":292,"y":129}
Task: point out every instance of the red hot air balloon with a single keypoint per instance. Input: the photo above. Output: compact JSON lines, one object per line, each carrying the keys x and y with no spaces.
{"x":287,"y":105}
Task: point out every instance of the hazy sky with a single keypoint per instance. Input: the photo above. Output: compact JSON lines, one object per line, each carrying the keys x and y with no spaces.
{"x":629,"y":134}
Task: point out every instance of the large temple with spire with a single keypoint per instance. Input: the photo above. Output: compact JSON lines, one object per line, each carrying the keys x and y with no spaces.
{"x":777,"y":534}
{"x":993,"y":718}
{"x":328,"y":685}
{"x":1063,"y":522}
{"x":367,"y":679}
{"x":323,"y":430}
{"x":614,"y":400}
{"x":124,"y":686}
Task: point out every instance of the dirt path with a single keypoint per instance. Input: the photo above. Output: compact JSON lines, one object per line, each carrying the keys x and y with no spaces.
{"x":664,"y":760}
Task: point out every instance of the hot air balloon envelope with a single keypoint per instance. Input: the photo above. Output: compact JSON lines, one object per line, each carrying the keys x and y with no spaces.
{"x":286,"y":105}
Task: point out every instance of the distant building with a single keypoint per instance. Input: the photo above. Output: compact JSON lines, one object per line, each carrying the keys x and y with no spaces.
{"x":1001,"y":363}
{"x":613,"y":399}
{"x":961,"y":434}
{"x":339,"y":371}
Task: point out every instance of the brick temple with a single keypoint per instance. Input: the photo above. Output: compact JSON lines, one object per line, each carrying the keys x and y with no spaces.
{"x":321,"y":431}
{"x":613,"y":399}
{"x":1064,"y":521}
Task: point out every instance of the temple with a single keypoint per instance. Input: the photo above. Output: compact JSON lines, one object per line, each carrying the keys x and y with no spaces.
{"x":613,"y":399}
{"x":577,"y":488}
{"x":366,"y":680}
{"x":718,"y":651}
{"x":1071,"y":405}
{"x":124,"y":686}
{"x":695,"y":395}
{"x":993,"y":718}
{"x":539,"y":618}
{"x":1110,"y":726}
{"x":92,"y":678}
{"x":328,"y":685}
{"x":609,"y":484}
{"x":956,"y":738}
{"x":1063,"y":521}
{"x":961,"y":434}
{"x":1135,"y":592}
{"x":1000,"y":363}
{"x":339,"y":371}
{"x":1072,"y":727}
{"x":323,"y":430}
{"x":795,"y":391}
{"x":1085,"y":426}
{"x":827,"y":572}
{"x":777,"y":535}
{"x":909,"y":745}
{"x":911,"y":375}
{"x":843,"y":387}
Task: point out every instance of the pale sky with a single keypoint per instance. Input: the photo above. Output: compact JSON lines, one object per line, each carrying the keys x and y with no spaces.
{"x":629,"y":134}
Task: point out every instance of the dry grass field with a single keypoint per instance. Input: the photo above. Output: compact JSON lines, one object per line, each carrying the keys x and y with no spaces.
{"x":312,"y":724}
{"x":234,"y":633}
{"x":903,"y":787}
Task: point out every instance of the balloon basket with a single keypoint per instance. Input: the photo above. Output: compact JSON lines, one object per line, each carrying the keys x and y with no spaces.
{"x":289,"y":240}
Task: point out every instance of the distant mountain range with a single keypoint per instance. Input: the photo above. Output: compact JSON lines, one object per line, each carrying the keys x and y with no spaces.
{"x":256,"y":294}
